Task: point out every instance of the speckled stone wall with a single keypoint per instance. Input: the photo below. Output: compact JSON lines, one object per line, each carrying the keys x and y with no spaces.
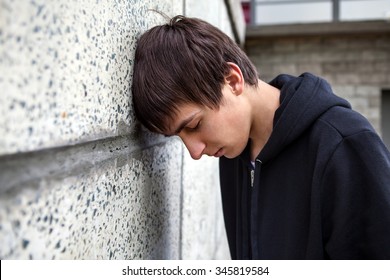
{"x":79,"y":178}
{"x":78,"y":57}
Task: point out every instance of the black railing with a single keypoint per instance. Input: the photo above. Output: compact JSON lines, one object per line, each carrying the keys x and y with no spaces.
{"x":335,"y":4}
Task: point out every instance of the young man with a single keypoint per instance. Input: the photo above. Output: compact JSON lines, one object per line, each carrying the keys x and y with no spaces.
{"x":303,"y":176}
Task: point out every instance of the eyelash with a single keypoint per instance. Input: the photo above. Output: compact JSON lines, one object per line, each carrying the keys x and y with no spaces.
{"x":196,"y":127}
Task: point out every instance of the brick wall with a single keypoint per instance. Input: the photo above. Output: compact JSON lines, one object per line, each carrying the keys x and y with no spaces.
{"x":357,"y":64}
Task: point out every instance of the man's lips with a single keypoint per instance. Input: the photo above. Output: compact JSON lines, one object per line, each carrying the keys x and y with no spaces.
{"x":219,"y":153}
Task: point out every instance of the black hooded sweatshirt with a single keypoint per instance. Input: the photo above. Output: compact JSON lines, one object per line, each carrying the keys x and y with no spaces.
{"x":320,"y":188}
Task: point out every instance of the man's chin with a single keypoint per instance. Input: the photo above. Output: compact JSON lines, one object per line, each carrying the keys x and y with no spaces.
{"x":230,"y":156}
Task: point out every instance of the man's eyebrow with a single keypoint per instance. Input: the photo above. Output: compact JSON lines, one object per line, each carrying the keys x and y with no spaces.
{"x":185,"y":122}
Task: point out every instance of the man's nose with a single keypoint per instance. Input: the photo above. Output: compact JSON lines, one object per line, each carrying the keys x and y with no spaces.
{"x":194,"y":146}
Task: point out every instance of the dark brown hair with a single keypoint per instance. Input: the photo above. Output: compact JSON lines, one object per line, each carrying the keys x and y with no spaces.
{"x":184,"y":61}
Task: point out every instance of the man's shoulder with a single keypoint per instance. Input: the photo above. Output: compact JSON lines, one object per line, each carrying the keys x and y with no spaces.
{"x":345,"y":121}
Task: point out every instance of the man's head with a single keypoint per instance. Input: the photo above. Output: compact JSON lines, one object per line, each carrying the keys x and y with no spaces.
{"x":183,"y":62}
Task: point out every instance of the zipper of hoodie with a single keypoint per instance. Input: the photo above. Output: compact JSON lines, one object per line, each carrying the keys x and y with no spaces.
{"x":254,"y":211}
{"x":253,"y":172}
{"x":252,"y":176}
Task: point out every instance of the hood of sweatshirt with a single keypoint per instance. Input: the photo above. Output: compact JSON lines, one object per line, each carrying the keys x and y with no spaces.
{"x":303,"y":100}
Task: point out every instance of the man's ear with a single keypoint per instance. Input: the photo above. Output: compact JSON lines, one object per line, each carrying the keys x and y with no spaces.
{"x":234,"y":79}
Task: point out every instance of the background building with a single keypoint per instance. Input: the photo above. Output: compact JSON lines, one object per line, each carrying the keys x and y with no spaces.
{"x":345,"y":41}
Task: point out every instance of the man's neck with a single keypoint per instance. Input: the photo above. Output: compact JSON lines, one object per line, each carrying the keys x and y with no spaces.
{"x":265,"y":101}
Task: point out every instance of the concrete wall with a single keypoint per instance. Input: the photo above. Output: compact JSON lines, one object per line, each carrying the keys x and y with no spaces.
{"x":79,"y":178}
{"x":354,"y":57}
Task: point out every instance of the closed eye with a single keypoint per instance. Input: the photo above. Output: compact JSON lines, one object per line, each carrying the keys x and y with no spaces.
{"x":194,"y":127}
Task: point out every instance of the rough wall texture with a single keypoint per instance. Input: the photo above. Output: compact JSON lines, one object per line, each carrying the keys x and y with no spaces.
{"x":79,"y":178}
{"x":357,"y":64}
